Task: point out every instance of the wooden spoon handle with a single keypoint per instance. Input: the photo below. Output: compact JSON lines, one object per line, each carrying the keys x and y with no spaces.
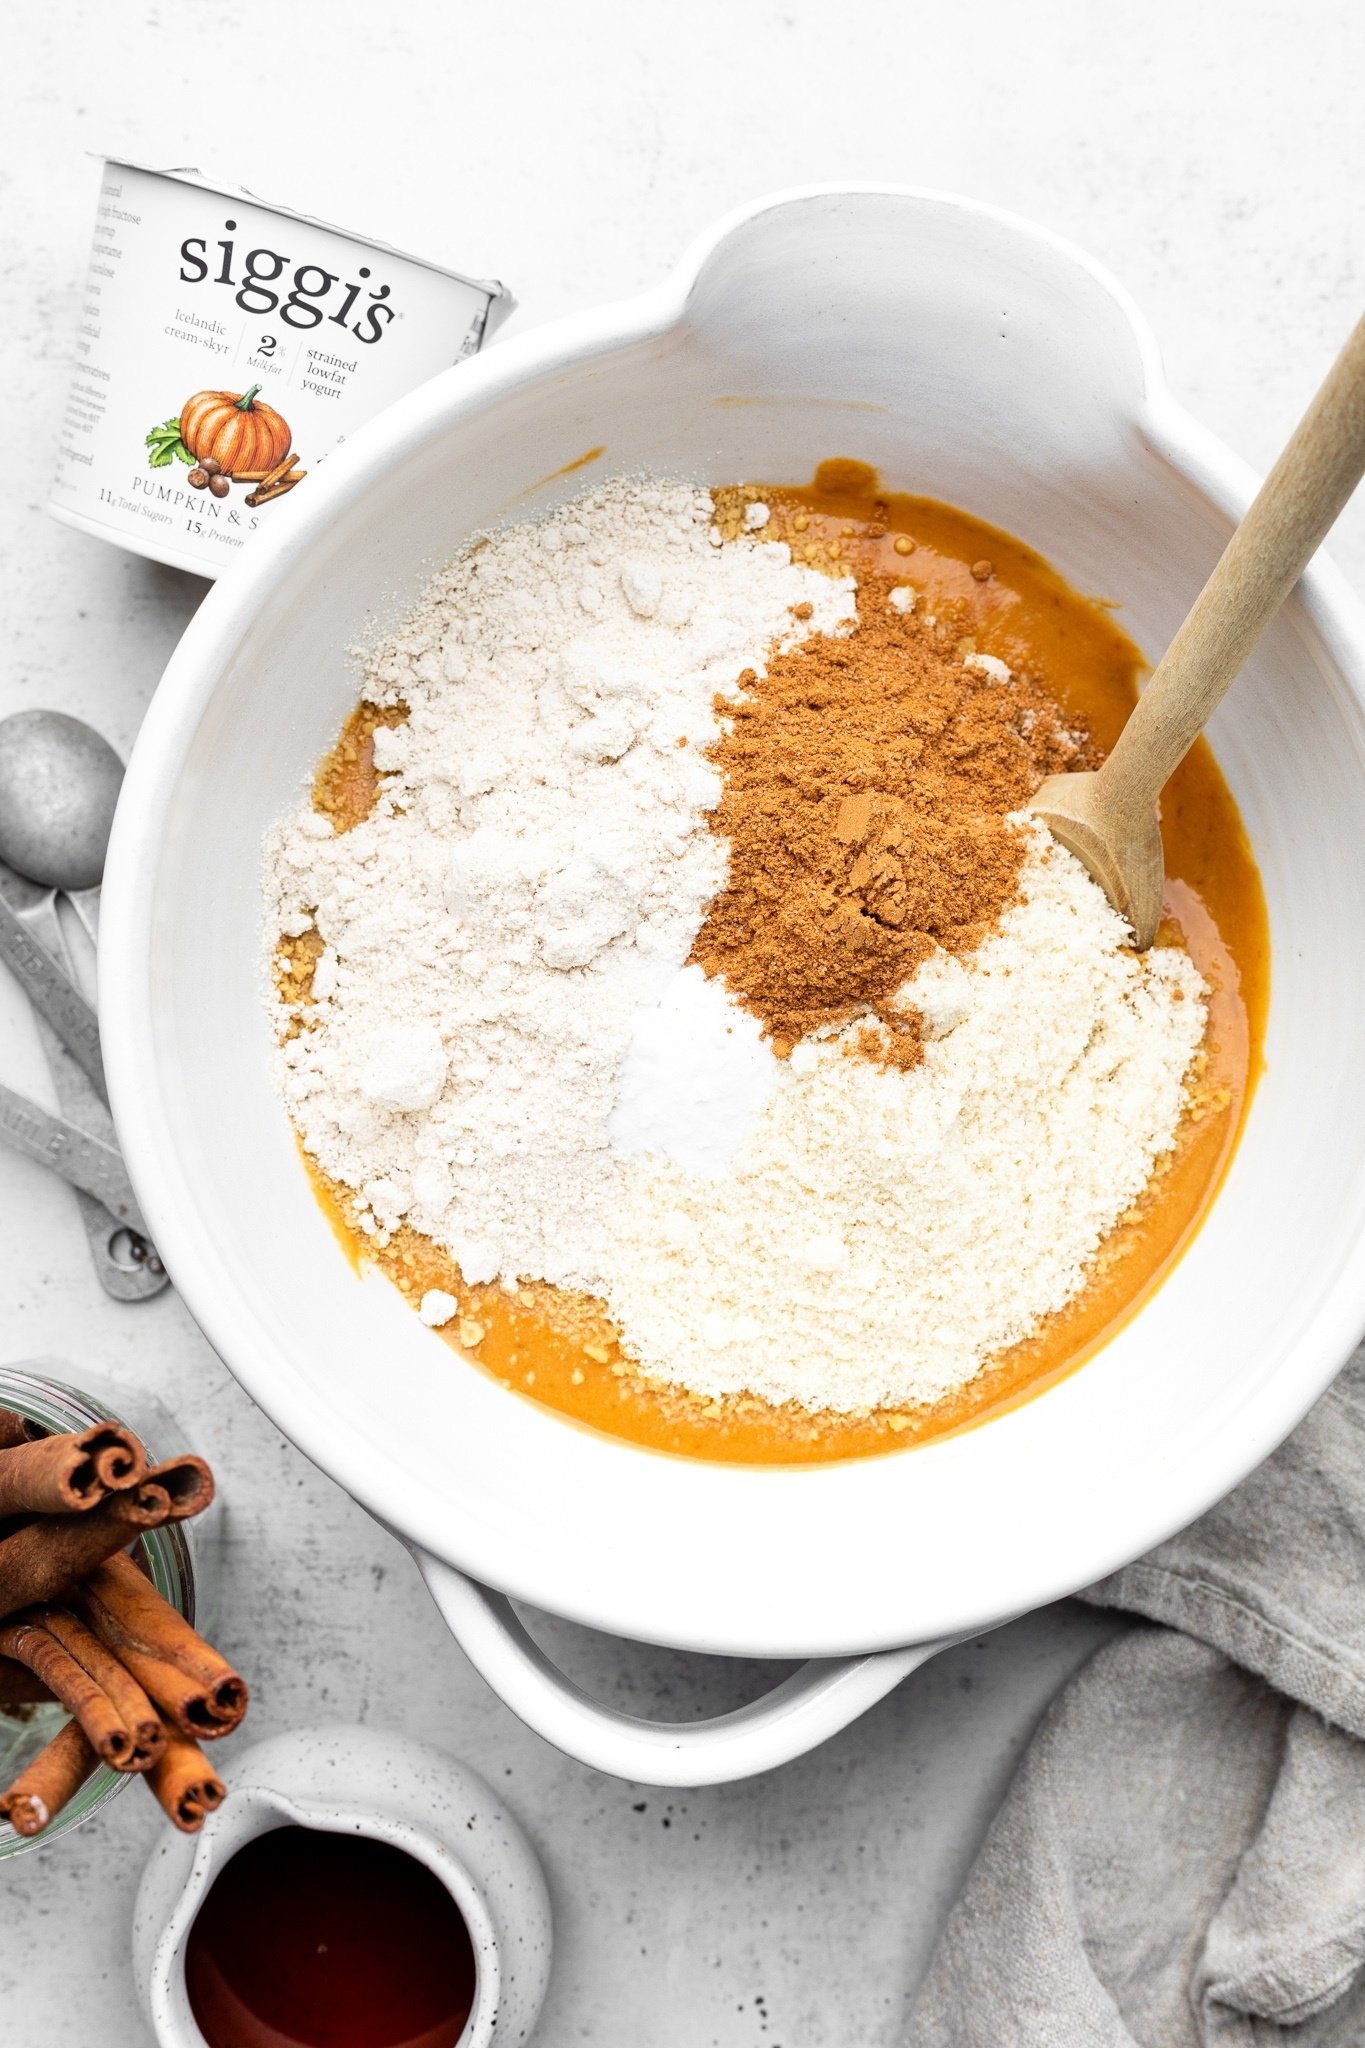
{"x":1258,"y":568}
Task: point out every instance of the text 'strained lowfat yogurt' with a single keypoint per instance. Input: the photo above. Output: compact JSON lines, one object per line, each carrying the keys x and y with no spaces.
{"x":225,"y":348}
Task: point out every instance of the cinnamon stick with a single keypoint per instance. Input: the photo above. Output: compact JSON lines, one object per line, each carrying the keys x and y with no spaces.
{"x":264,"y":492}
{"x":17,"y":1429}
{"x":135,"y":1711}
{"x":123,"y":1746}
{"x":44,"y":1786}
{"x":266,"y":478}
{"x":119,"y":1458}
{"x":66,"y":1474}
{"x":45,"y":1558}
{"x":169,"y":1493}
{"x":187,"y":1484}
{"x":18,"y":1686}
{"x":195,"y":1687}
{"x":146,"y":1505}
{"x":185,"y":1783}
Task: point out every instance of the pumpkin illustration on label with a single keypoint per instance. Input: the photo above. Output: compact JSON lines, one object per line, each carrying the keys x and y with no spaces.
{"x":236,"y":430}
{"x":227,"y":437}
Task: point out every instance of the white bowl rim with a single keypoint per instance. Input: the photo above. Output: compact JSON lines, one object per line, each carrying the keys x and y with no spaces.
{"x":1200,"y":1469}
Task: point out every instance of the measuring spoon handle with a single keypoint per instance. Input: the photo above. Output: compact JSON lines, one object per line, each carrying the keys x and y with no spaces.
{"x":126,"y":1264}
{"x":88,"y":1163}
{"x":52,"y":995}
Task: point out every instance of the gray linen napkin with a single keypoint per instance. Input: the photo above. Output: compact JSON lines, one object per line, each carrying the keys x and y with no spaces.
{"x":1180,"y":1861}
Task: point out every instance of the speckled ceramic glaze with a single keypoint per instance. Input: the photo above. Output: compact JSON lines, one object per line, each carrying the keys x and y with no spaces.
{"x":364,"y":1781}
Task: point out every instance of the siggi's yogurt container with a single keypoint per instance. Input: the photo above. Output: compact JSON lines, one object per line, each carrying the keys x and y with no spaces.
{"x":225,"y":348}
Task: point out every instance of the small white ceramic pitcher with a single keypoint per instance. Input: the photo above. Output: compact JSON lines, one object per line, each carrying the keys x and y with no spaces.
{"x":361,"y":1780}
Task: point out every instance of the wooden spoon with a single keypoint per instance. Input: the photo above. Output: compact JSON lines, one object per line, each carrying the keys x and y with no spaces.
{"x":1108,"y":818}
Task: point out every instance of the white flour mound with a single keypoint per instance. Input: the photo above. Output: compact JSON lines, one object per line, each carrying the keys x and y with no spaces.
{"x":533,"y":874}
{"x":880,"y":1233}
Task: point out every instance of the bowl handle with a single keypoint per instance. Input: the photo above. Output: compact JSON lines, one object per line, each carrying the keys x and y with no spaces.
{"x":814,"y":1703}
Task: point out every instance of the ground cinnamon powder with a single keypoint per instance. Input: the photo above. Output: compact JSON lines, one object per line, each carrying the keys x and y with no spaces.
{"x":866,"y":785}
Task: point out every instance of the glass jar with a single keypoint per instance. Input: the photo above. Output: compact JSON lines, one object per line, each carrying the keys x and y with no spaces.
{"x":176,"y":1555}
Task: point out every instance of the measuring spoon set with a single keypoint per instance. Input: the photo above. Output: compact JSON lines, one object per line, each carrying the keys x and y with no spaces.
{"x":59,"y":782}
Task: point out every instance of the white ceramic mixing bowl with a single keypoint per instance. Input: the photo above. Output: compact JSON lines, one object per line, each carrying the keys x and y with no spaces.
{"x":969,"y":356}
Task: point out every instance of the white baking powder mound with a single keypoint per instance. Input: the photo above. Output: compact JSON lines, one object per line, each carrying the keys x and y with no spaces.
{"x":696,"y":1073}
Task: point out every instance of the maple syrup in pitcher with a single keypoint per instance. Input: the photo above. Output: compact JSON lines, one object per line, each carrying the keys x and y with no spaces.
{"x":328,"y":1940}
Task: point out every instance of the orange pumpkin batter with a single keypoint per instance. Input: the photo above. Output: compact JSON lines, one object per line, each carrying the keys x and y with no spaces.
{"x":561,"y":1350}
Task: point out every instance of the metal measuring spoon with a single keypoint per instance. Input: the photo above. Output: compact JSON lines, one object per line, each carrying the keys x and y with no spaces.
{"x":92,"y":1167}
{"x":59,"y":782}
{"x":42,"y":972}
{"x":125,"y":1260}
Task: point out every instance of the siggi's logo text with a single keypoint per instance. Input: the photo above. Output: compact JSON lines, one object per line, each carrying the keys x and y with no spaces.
{"x":305,"y":301}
